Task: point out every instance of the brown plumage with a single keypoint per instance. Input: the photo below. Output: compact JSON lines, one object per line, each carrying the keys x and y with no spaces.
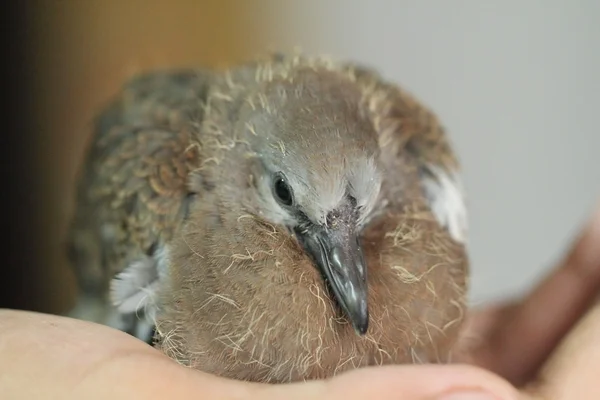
{"x":181,"y":221}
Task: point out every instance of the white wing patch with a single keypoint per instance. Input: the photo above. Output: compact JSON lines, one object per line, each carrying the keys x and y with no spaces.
{"x":447,"y":199}
{"x":135,"y":288}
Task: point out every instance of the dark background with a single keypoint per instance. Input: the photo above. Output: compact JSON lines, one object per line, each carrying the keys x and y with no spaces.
{"x":63,"y":60}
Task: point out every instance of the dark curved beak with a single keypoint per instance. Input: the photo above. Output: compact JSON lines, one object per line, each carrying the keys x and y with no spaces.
{"x":338,"y":254}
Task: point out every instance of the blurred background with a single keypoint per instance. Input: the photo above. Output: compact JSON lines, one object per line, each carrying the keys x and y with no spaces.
{"x":516,"y":84}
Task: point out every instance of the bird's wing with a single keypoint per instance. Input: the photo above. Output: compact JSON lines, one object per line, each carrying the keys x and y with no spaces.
{"x":407,"y":128}
{"x":133,"y":194}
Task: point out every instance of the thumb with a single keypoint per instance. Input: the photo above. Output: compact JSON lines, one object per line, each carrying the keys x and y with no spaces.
{"x":407,"y":382}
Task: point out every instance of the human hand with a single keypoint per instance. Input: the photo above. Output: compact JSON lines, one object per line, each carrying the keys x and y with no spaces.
{"x":44,"y":356}
{"x":515,"y":339}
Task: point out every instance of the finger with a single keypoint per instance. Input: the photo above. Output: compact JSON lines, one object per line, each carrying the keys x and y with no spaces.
{"x":478,"y":328}
{"x":520,"y":344}
{"x":412,"y":382}
{"x":71,"y":359}
{"x":572,"y":371}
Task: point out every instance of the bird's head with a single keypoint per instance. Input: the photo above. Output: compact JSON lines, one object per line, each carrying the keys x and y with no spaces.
{"x":315,"y":171}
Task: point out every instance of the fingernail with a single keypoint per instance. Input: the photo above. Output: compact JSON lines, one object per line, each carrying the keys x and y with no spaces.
{"x":478,"y":395}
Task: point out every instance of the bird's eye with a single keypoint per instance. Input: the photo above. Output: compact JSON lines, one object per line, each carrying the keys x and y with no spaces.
{"x":283,"y":192}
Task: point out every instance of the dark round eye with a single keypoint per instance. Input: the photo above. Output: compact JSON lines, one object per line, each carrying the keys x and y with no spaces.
{"x":282,"y":190}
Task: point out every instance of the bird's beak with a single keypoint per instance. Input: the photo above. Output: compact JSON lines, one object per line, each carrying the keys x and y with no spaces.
{"x":338,"y":254}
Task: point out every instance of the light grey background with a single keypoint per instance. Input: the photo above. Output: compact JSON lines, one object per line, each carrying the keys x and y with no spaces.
{"x":517,"y":85}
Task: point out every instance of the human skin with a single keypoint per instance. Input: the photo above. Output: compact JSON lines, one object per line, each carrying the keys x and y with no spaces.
{"x":544,"y":346}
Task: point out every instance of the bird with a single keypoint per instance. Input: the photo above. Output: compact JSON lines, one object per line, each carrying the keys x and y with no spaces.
{"x":283,"y":219}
